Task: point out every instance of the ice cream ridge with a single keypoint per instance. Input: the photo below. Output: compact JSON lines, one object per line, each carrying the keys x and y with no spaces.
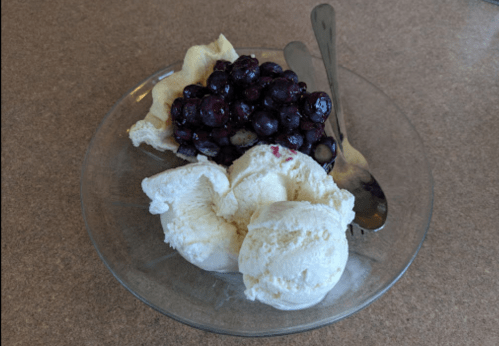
{"x":271,"y":212}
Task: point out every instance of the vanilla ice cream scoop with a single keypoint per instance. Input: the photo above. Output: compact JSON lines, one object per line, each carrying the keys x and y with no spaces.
{"x":271,"y":173}
{"x":274,"y":215}
{"x":193,"y":201}
{"x":293,"y":255}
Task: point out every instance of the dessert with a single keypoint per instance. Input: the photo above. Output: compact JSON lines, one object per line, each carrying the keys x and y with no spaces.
{"x":256,"y":197}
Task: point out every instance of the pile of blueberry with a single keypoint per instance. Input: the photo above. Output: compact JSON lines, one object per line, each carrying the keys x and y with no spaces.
{"x":245,"y":104}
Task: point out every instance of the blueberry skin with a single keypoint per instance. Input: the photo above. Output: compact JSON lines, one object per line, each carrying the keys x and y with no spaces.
{"x":222,"y":65}
{"x":264,"y":82}
{"x":289,"y":116}
{"x":270,"y":69}
{"x":283,"y":90}
{"x":218,"y":83}
{"x":306,"y":148}
{"x":269,"y":104}
{"x":190,"y":112}
{"x":252,"y":93}
{"x":221,"y":135}
{"x":187,"y":150}
{"x":182,"y":134}
{"x":313,"y":132}
{"x":245,"y":71}
{"x":264,"y":123}
{"x":292,"y":141}
{"x":317,"y":106}
{"x":176,"y":110}
{"x":290,"y":75}
{"x":241,"y":111}
{"x":194,"y":91}
{"x":214,"y":111}
{"x":204,"y":144}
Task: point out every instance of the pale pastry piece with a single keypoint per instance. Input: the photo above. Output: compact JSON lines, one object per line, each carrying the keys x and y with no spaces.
{"x":156,"y":128}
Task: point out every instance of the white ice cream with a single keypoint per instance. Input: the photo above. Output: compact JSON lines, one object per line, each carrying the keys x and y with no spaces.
{"x":193,"y":201}
{"x":293,"y":255}
{"x":271,"y":173}
{"x":157,"y":129}
{"x":274,"y":215}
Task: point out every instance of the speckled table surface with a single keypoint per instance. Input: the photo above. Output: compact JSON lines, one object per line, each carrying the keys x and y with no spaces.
{"x":64,"y":65}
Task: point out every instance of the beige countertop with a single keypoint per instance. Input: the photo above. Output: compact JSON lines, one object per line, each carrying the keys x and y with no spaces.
{"x":64,"y":65}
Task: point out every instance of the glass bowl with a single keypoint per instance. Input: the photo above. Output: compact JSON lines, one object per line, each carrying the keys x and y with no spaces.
{"x":130,"y":240}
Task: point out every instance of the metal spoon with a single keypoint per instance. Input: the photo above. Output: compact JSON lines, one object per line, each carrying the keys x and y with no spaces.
{"x":351,"y":170}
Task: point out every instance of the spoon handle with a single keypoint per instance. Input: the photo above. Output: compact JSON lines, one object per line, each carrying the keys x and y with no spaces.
{"x":299,"y":60}
{"x":324,"y":25}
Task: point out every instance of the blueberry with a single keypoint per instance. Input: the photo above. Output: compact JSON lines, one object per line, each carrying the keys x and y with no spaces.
{"x":219,"y":84}
{"x":221,"y":135}
{"x":240,"y":111}
{"x":325,"y":153}
{"x":204,"y":144}
{"x":182,"y":134}
{"x":303,"y":87}
{"x":283,"y":90}
{"x":264,"y":82}
{"x":190,"y":112}
{"x":302,"y":99}
{"x":313,"y":132}
{"x":317,"y":106}
{"x":269,"y":104}
{"x":245,"y":104}
{"x":214,"y":111}
{"x":306,"y":148}
{"x":245,"y":71}
{"x":222,"y":65}
{"x":330,"y":143}
{"x":244,"y":138}
{"x":227,"y":155}
{"x":290,"y":75}
{"x":264,"y":123}
{"x":187,"y":150}
{"x":270,"y":69}
{"x":176,"y":109}
{"x":292,"y":140}
{"x":289,"y":116}
{"x":228,"y":92}
{"x":252,"y":93}
{"x":194,"y":91}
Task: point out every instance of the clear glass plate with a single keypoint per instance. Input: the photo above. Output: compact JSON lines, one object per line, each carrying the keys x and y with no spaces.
{"x":130,"y":240}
